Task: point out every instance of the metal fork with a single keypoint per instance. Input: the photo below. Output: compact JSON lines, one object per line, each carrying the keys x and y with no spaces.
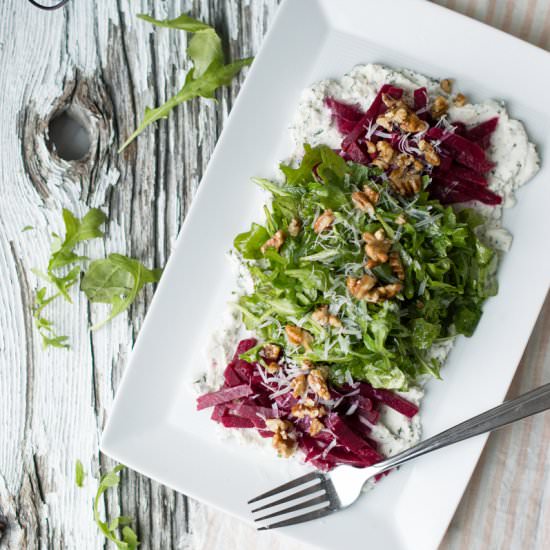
{"x":338,"y":489}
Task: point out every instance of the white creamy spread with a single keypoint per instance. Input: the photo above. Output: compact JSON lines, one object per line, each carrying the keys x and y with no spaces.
{"x":516,"y":162}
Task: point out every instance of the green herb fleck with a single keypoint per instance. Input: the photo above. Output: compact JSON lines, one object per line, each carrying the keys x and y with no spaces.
{"x":27,"y":228}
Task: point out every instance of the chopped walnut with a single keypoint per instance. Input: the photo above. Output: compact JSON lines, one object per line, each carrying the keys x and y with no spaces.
{"x":271,"y":352}
{"x":401,"y":114}
{"x":372,"y":195}
{"x":323,"y":317}
{"x":315,"y":427}
{"x":383,"y":293}
{"x":385,"y":151}
{"x":397,"y":265}
{"x":301,"y":410}
{"x":272,"y":367}
{"x":294,"y":227}
{"x":401,"y":220}
{"x":299,"y":385}
{"x":281,"y":440}
{"x":460,"y":100}
{"x":389,"y":291}
{"x":429,"y":152}
{"x":376,"y":247}
{"x":406,"y":178}
{"x":298,"y":336}
{"x":274,"y":242}
{"x":446,"y":85}
{"x":278,"y":425}
{"x":307,"y":364}
{"x":317,"y":381}
{"x":439,"y":107}
{"x":361,"y":202}
{"x":371,"y":147}
{"x":358,"y":288}
{"x":324,"y":221}
{"x":284,"y":446}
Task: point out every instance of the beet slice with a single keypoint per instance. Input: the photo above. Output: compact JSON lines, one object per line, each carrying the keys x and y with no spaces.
{"x":377,"y":107}
{"x":346,"y":116}
{"x":460,"y":191}
{"x":231,"y":377}
{"x":232,"y":421}
{"x":465,"y":174}
{"x":464,"y":151}
{"x":223,"y":396}
{"x":243,"y":346}
{"x":420,"y":98}
{"x":390,"y":399}
{"x":482,"y":130}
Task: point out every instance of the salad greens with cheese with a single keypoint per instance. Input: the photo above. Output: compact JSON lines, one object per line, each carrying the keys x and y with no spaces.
{"x":449,"y":273}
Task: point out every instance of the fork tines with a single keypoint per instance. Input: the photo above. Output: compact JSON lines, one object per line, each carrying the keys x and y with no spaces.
{"x":314,"y":483}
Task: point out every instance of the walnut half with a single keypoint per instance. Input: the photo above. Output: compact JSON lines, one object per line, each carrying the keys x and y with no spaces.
{"x":298,"y":336}
{"x":274,"y":242}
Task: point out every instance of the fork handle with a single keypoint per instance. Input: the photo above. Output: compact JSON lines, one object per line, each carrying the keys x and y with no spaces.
{"x":527,"y":404}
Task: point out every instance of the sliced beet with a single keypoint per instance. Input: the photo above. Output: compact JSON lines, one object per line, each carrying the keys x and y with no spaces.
{"x":390,"y":399}
{"x":377,"y":107}
{"x":346,"y":116}
{"x":244,"y":346}
{"x":218,"y":412}
{"x":231,"y":421}
{"x":420,"y":98}
{"x":231,"y":377}
{"x":460,"y":191}
{"x":223,"y":396}
{"x":482,"y":130}
{"x":465,"y":174}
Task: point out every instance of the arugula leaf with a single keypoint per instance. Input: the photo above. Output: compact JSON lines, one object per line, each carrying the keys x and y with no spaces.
{"x":61,"y":273}
{"x":207,"y":75}
{"x":204,"y":48}
{"x":201,"y":86}
{"x":116,"y":280}
{"x":129,"y":539}
{"x":79,"y":474}
{"x":449,"y":273}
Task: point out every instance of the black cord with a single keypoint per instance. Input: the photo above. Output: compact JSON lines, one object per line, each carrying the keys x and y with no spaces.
{"x":54,"y":7}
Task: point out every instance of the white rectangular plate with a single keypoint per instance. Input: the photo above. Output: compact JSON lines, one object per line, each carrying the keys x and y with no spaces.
{"x":154,"y":427}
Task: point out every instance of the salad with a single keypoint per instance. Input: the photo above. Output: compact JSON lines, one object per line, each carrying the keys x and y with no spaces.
{"x":373,"y":257}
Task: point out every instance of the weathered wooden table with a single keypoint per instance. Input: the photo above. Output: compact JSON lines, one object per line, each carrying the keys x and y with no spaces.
{"x":104,"y":65}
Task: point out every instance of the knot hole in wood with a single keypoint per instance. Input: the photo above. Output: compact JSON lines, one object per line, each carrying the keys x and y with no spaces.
{"x":73,"y":143}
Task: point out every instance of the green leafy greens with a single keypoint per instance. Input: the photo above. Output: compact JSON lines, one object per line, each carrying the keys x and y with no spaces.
{"x":63,"y":270}
{"x":116,"y":280}
{"x":208,"y":73}
{"x":110,"y":529}
{"x":449,"y":273}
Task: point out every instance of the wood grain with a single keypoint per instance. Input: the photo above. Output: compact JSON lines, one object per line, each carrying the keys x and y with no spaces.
{"x":104,"y":65}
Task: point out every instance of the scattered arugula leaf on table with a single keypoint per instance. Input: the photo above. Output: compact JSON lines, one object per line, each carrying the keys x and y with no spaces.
{"x":207,"y":75}
{"x":79,"y":474}
{"x":116,"y":280}
{"x":63,"y":270}
{"x":111,"y":529}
